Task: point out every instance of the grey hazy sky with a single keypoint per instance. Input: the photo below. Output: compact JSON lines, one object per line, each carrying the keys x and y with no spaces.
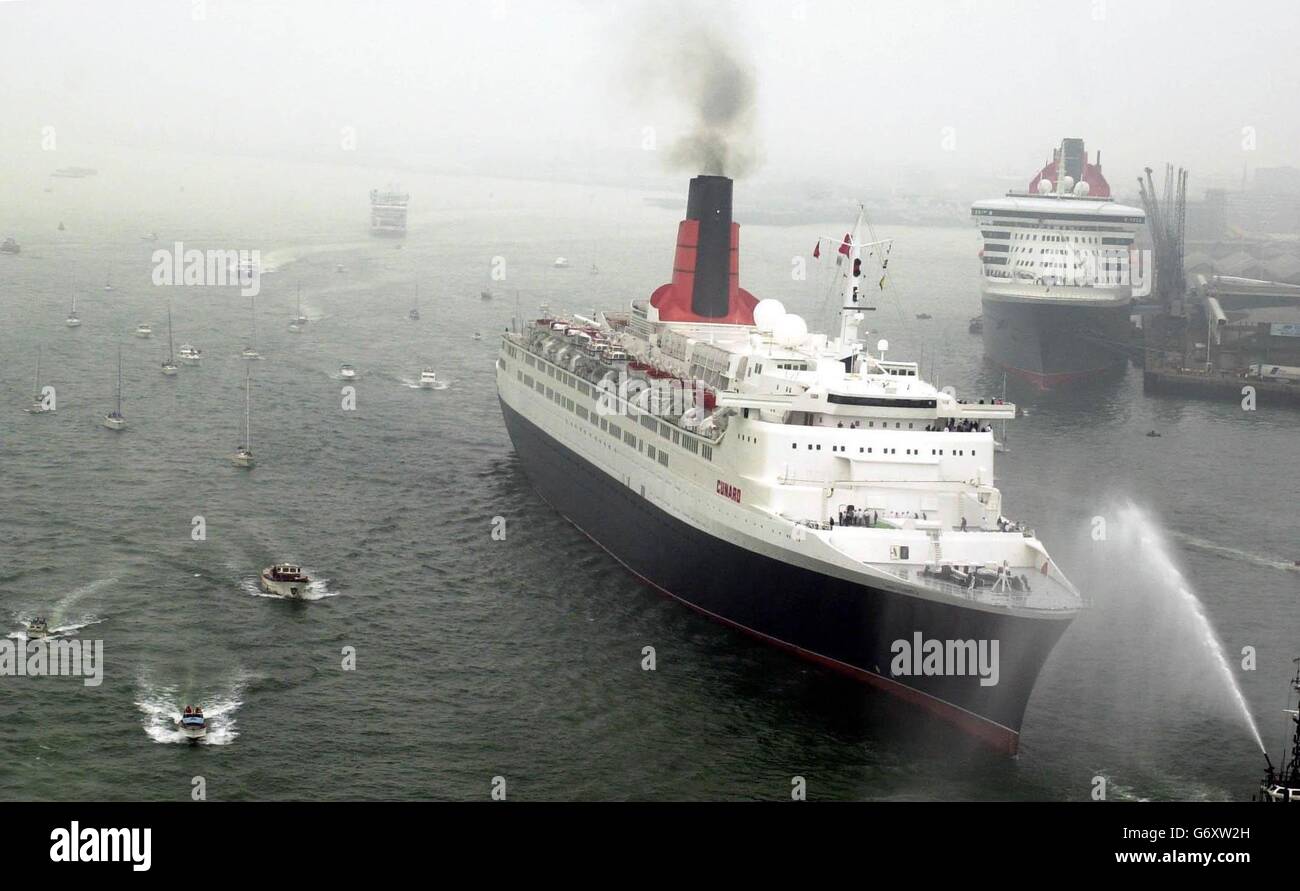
{"x":845,"y":88}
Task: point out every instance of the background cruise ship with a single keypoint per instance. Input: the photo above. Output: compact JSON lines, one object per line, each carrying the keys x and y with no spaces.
{"x":388,"y":211}
{"x":1058,"y":274}
{"x":822,"y":498}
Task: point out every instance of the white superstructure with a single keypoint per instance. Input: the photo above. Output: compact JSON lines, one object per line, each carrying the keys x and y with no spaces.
{"x":811,"y":449}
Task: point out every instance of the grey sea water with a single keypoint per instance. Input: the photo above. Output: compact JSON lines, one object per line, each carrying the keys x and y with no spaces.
{"x":521,"y":658}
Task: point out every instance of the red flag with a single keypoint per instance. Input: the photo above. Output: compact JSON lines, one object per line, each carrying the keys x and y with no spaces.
{"x":817,"y":250}
{"x":848,"y":242}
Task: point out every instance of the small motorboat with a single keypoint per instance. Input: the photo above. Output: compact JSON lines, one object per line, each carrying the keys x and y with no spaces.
{"x":414,"y":314}
{"x":61,"y":226}
{"x":285,"y":580}
{"x":478,"y":335}
{"x":924,"y":316}
{"x":249,"y":353}
{"x":143,"y":330}
{"x":295,"y":327}
{"x":38,"y":628}
{"x":428,"y":379}
{"x":561,"y":263}
{"x":190,"y":354}
{"x":10,"y":246}
{"x":485,"y":295}
{"x":339,"y":267}
{"x":348,"y":373}
{"x":108,"y":284}
{"x":1153,"y":434}
{"x":192,"y":724}
{"x":152,"y":236}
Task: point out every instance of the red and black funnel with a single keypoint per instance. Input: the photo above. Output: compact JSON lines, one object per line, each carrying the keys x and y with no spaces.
{"x":706,"y":269}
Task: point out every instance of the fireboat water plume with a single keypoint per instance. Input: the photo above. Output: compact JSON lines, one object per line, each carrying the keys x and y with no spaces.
{"x":1148,"y":597}
{"x":694,"y":64}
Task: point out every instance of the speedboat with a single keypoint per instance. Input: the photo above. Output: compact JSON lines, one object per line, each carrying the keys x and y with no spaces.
{"x":190,"y":354}
{"x":428,"y":380}
{"x":143,"y":330}
{"x":38,"y":628}
{"x":348,"y":373}
{"x":192,"y":724}
{"x":284,"y":579}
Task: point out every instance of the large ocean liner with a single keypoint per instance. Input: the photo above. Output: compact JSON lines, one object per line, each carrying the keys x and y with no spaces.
{"x":1059,"y":272}
{"x":388,"y":211}
{"x":799,"y":487}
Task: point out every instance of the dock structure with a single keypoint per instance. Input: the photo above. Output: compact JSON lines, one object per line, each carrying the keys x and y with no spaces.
{"x":1209,"y":335}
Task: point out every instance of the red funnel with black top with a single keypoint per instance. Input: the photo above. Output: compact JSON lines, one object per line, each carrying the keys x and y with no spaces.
{"x":706,"y":269}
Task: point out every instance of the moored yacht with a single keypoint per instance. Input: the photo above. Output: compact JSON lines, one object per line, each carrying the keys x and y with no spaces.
{"x":347,"y":372}
{"x":40,"y":405}
{"x":114,"y":420}
{"x":243,"y":456}
{"x":192,"y":725}
{"x":143,"y":330}
{"x":299,"y":321}
{"x":169,"y":367}
{"x":190,"y":354}
{"x":804,"y":488}
{"x":249,"y":352}
{"x":73,"y":320}
{"x":284,"y":579}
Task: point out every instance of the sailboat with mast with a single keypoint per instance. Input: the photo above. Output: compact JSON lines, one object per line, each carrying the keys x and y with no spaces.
{"x":414,"y":314}
{"x":243,"y":456}
{"x":39,"y":405}
{"x":299,"y":321}
{"x":114,"y":419}
{"x":249,"y":352}
{"x":486,"y":293}
{"x":169,"y":366}
{"x":73,"y":320}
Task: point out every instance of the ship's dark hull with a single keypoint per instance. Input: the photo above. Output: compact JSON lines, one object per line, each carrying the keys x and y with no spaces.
{"x":1050,"y":345}
{"x":846,"y":626}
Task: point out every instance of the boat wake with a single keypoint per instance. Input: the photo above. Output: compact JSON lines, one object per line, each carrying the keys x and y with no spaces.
{"x":318,"y":590}
{"x":1229,"y":553}
{"x":415,"y":385}
{"x":162,"y":706}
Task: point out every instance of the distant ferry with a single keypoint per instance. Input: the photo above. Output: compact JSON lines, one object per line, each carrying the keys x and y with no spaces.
{"x":388,"y":211}
{"x":1058,"y":273}
{"x":797,"y":486}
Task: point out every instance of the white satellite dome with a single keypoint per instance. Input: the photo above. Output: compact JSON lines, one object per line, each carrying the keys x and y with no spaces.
{"x":1082,"y":187}
{"x":1044,"y":186}
{"x":790,"y":331}
{"x":767,"y":313}
{"x":1068,"y":184}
